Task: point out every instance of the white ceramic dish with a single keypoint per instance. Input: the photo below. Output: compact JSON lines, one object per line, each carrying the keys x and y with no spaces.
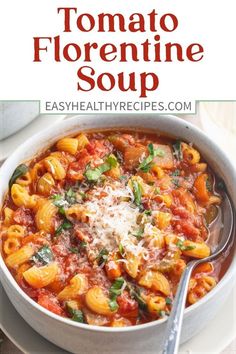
{"x":8,"y":145}
{"x":69,"y":335}
{"x":16,"y":115}
{"x":212,"y":339}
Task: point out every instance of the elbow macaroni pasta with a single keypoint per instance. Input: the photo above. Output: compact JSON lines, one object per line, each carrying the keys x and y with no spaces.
{"x":45,"y":215}
{"x":45,"y":184}
{"x":15,"y":259}
{"x":68,"y":144}
{"x":78,"y":286}
{"x":98,"y":302}
{"x":21,"y":197}
{"x":54,"y":166}
{"x":39,"y":277}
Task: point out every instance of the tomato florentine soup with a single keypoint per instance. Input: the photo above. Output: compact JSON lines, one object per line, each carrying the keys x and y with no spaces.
{"x":100,"y":227}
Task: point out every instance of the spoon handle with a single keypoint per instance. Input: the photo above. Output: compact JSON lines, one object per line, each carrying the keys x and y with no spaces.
{"x":174,"y":324}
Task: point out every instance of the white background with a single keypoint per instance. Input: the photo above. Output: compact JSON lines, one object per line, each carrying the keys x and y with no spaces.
{"x":211,"y":23}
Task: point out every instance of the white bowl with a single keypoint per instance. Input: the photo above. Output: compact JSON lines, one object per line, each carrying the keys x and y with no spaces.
{"x":146,"y":338}
{"x":16,"y":115}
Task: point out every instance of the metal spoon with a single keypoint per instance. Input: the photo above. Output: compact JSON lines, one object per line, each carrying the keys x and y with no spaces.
{"x":174,"y":324}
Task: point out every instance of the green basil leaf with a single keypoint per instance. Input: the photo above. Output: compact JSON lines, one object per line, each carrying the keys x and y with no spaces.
{"x":21,"y":170}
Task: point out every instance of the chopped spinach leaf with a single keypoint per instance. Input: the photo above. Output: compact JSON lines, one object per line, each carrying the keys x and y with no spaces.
{"x":74,"y":250}
{"x":70,"y":196}
{"x":113,"y":304}
{"x":146,"y":164}
{"x":168,"y":301}
{"x":43,"y":255}
{"x":65,"y":225}
{"x":182,"y":247}
{"x":162,"y":313}
{"x":77,"y":315}
{"x":83,"y":244}
{"x":59,"y":202}
{"x":135,"y":294}
{"x":178,"y":153}
{"x":116,"y":287}
{"x":139,"y":233}
{"x":21,"y":170}
{"x":175,"y":181}
{"x":175,"y":173}
{"x":94,"y":174}
{"x":148,"y":212}
{"x":112,"y":161}
{"x":116,"y":290}
{"x":83,"y":195}
{"x":102,"y":256}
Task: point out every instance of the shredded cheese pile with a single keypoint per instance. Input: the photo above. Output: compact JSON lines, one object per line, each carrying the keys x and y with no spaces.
{"x":113,"y":218}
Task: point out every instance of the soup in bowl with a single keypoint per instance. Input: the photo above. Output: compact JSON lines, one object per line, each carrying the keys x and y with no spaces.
{"x":98,"y":227}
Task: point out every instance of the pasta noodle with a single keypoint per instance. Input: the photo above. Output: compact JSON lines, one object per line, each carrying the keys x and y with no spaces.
{"x":21,"y":197}
{"x":11,"y":245}
{"x":45,"y":184}
{"x":78,"y":286}
{"x":8,"y":216}
{"x":39,"y":277}
{"x":54,"y":166}
{"x":15,"y":231}
{"x":45,"y":216}
{"x":68,"y":144}
{"x":98,"y":302}
{"x":20,"y":256}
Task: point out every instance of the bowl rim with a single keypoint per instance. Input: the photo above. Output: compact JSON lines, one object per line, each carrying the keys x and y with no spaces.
{"x":229,"y":274}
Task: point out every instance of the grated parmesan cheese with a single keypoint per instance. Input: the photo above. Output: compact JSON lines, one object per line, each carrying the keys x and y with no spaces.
{"x":113,"y":219}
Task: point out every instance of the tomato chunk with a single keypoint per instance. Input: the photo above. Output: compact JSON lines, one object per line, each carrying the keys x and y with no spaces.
{"x":23,"y":216}
{"x":50,"y":302}
{"x":127,"y":306}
